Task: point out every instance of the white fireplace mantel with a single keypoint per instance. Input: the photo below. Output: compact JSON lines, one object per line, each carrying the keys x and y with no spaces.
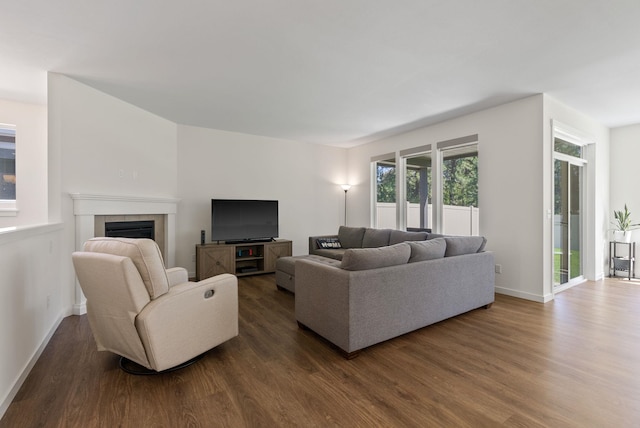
{"x":87,"y":206}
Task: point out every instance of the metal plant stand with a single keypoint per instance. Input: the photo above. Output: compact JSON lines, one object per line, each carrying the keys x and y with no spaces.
{"x":622,"y":262}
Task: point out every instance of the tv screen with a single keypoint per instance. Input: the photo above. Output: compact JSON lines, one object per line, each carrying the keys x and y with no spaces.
{"x":243,"y":220}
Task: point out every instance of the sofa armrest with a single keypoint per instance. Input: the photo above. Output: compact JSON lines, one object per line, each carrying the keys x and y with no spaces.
{"x":322,"y":300}
{"x":177,"y":275}
{"x":313,"y":242}
{"x":190,"y":319}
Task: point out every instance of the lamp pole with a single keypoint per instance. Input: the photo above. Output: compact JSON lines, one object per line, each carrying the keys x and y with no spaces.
{"x":345,"y":187}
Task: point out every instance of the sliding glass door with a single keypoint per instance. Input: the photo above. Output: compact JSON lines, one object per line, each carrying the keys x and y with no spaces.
{"x":568,"y":217}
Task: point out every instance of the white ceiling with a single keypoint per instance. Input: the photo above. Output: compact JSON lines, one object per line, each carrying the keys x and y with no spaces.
{"x":339,"y":72}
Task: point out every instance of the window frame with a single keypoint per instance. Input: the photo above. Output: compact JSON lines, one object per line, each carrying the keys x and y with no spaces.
{"x":441,"y":149}
{"x":9,"y":207}
{"x":405,"y":155}
{"x":374,"y":188}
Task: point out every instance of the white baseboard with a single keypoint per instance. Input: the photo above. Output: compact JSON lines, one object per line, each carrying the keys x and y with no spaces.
{"x":524,"y":295}
{"x":27,"y":369}
{"x":79,"y":308}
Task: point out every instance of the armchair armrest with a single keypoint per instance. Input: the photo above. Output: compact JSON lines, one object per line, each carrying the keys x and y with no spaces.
{"x":190,"y":319}
{"x":177,"y":275}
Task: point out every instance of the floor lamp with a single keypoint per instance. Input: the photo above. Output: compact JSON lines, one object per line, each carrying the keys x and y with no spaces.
{"x":345,"y":187}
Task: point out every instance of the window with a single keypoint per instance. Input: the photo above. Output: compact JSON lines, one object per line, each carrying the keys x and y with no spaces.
{"x":7,"y":164}
{"x":460,"y":190}
{"x":436,"y":190}
{"x":567,"y":148}
{"x":385,"y":191}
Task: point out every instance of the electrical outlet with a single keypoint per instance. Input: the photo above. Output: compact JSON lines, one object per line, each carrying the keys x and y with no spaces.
{"x":48,"y":300}
{"x":193,"y":257}
{"x":498,"y":268}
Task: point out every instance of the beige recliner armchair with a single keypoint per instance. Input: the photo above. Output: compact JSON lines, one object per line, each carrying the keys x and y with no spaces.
{"x":148,"y":314}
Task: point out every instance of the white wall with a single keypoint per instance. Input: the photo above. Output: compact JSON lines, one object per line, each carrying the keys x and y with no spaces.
{"x":102,"y":145}
{"x":30,"y":291}
{"x":625,"y":153}
{"x":304,"y":178}
{"x":31,"y":161}
{"x":30,"y":301}
{"x":112,"y":147}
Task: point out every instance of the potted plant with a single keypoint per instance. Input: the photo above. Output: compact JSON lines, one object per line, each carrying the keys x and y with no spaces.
{"x":623,"y":225}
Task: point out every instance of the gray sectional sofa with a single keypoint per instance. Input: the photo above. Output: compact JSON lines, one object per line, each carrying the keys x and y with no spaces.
{"x":383,"y":283}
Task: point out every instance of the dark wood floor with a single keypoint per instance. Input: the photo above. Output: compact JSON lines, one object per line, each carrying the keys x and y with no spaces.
{"x":572,"y":362}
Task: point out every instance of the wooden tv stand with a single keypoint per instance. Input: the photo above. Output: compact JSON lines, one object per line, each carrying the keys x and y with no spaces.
{"x":246,"y":258}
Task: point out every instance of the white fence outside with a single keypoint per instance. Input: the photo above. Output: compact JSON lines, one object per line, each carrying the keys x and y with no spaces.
{"x":575,"y":231}
{"x":456,"y":221}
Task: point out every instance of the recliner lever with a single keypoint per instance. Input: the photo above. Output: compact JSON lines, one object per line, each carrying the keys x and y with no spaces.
{"x":208,"y":294}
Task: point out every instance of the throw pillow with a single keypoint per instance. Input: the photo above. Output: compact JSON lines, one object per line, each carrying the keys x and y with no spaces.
{"x":350,"y":237}
{"x":372,"y":258}
{"x":398,"y":236}
{"x":458,"y":245}
{"x":427,"y":250}
{"x":327,"y":243}
{"x":374,"y":238}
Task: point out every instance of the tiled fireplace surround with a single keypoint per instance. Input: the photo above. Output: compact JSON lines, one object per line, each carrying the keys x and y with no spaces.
{"x":92,"y":211}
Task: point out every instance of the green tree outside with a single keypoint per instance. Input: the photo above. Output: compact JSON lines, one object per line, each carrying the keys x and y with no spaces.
{"x":460,"y":182}
{"x":386,"y":183}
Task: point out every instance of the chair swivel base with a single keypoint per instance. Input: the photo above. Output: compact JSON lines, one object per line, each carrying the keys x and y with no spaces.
{"x":134,"y":368}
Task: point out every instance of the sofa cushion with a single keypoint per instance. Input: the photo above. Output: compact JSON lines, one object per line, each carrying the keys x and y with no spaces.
{"x":434,"y":235}
{"x":458,"y":245}
{"x":427,"y":250}
{"x":351,"y":237}
{"x":374,"y":238}
{"x":398,"y":236}
{"x":332,"y":253}
{"x":372,"y":258}
{"x":286,"y":269}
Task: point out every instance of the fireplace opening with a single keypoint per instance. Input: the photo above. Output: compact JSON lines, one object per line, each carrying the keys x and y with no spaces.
{"x":130,"y":229}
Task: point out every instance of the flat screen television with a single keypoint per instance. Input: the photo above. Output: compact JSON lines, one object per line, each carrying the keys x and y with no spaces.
{"x":239,"y":220}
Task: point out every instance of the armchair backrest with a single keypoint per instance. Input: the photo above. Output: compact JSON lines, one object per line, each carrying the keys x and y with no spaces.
{"x":145,"y":255}
{"x":115,"y":296}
